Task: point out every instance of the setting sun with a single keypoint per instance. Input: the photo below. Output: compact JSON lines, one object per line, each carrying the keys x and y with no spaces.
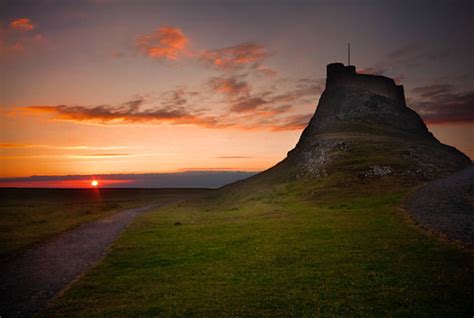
{"x":94,"y":183}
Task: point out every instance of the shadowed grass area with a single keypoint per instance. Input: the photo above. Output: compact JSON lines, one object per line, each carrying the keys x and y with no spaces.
{"x":28,"y":216}
{"x":286,"y":252}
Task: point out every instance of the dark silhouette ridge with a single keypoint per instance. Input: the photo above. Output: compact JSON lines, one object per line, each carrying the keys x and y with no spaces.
{"x":362,"y":129}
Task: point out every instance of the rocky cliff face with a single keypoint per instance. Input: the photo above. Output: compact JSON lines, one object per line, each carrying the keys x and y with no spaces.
{"x":363,"y":128}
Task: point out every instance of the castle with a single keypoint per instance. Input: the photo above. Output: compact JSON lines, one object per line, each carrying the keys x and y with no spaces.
{"x":340,"y":75}
{"x":362,"y":129}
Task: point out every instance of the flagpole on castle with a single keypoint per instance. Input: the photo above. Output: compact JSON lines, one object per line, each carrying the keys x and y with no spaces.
{"x":348,"y":54}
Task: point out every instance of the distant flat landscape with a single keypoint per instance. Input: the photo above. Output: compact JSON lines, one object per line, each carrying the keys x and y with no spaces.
{"x":29,"y":216}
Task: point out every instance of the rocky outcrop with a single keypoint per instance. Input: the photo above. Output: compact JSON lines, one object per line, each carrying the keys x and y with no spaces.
{"x":362,"y":125}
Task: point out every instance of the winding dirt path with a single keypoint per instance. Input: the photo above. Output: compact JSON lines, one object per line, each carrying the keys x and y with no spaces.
{"x":447,"y":206}
{"x":33,"y":277}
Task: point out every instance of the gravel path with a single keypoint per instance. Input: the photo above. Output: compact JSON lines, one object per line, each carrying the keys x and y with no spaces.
{"x":447,"y":206}
{"x":35,"y":276}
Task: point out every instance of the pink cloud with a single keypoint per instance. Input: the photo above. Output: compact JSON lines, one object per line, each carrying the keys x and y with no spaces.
{"x":235,"y":56}
{"x":229,"y":86}
{"x":267,"y":71}
{"x":164,"y":43}
{"x":248,"y":105}
{"x":13,"y":43}
{"x":22,"y":24}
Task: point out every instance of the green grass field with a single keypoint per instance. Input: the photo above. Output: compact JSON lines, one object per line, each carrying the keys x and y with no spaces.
{"x":294,"y":251}
{"x":28,"y":216}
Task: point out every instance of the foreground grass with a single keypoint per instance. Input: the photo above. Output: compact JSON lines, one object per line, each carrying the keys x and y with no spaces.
{"x":276,"y":254}
{"x":28,"y":216}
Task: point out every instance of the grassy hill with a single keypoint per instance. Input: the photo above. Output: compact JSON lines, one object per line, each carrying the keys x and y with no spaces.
{"x":305,"y":248}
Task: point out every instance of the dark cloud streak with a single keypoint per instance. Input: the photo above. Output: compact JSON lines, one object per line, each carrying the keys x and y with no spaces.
{"x":440,"y":104}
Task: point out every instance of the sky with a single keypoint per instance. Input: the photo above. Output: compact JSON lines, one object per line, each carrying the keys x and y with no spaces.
{"x":141,"y":87}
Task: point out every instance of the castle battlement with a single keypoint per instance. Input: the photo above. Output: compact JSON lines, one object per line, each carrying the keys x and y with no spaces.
{"x":340,"y":75}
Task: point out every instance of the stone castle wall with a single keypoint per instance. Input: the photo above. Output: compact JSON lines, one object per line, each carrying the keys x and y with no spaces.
{"x":340,"y":75}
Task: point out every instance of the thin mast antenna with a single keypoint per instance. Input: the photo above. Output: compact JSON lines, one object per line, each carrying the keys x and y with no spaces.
{"x":349,"y":53}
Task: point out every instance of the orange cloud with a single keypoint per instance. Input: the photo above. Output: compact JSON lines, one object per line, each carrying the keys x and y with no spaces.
{"x":22,"y":24}
{"x":248,"y":110}
{"x":13,"y":44}
{"x":169,"y":42}
{"x":108,"y":115}
{"x":267,"y":71}
{"x":257,"y":120}
{"x":124,"y":114}
{"x":248,"y":105}
{"x":235,"y":56}
{"x":229,"y":86}
{"x":164,"y":43}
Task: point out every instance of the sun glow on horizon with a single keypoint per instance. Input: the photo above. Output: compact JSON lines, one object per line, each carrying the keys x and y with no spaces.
{"x":94,"y":183}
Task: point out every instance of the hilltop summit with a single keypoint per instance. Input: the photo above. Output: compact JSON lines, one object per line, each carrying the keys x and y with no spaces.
{"x":351,"y":98}
{"x":362,"y":129}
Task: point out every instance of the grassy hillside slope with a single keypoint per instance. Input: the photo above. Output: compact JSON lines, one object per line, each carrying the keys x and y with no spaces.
{"x":301,"y":248}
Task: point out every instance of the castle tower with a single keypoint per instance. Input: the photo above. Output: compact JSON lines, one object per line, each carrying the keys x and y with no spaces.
{"x":340,"y":75}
